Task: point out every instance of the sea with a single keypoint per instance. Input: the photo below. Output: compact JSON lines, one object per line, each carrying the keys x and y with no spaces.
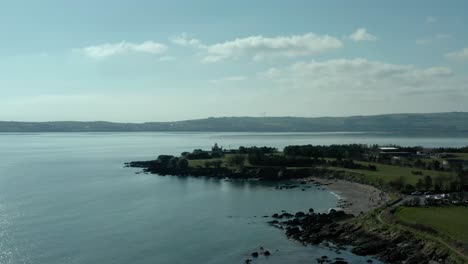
{"x":67,"y":198}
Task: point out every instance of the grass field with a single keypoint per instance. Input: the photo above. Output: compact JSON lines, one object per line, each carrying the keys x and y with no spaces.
{"x":463,"y":156}
{"x":391,"y":172}
{"x":451,"y":221}
{"x":386,"y":173}
{"x":201,"y":162}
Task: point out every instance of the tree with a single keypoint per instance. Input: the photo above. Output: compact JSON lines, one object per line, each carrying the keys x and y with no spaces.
{"x":409,"y":188}
{"x":420,"y":184}
{"x":164,"y":159}
{"x":419,"y":164}
{"x":217,"y":163}
{"x":398,"y":184}
{"x":438,"y":183}
{"x":173,"y":163}
{"x":236,"y":160}
{"x":428,"y":182}
{"x":461,"y":180}
{"x":182,"y":164}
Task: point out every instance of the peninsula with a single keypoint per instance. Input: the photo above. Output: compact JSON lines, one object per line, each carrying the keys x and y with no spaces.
{"x":396,"y":202}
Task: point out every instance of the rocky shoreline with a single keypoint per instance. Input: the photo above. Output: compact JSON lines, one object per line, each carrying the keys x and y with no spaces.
{"x":344,"y":230}
{"x":344,"y":227}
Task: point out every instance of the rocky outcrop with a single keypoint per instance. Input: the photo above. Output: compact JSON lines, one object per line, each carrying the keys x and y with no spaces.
{"x":388,"y":246}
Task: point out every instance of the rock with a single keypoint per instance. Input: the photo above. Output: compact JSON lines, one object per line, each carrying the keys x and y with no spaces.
{"x":255,"y":254}
{"x":340,"y":262}
{"x":266,"y":253}
{"x":248,"y":261}
{"x":286,"y":215}
{"x":311,"y":210}
{"x":299,"y":214}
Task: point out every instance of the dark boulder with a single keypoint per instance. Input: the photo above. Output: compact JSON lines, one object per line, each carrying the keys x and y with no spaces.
{"x":300,"y":214}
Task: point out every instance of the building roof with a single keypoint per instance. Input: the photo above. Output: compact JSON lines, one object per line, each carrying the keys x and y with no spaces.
{"x":388,"y":148}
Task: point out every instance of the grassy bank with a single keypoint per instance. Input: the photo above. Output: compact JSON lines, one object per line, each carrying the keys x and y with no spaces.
{"x":388,"y":173}
{"x":451,"y":221}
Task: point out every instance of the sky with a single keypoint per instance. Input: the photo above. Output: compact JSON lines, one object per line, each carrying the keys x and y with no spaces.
{"x":142,"y":61}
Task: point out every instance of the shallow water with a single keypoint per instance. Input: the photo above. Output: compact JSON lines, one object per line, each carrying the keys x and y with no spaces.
{"x":66,"y":198}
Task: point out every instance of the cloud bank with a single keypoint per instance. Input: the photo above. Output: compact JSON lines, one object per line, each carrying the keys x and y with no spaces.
{"x":111,"y":49}
{"x":362,"y":76}
{"x":460,"y":55}
{"x":259,"y":47}
{"x":361,"y":34}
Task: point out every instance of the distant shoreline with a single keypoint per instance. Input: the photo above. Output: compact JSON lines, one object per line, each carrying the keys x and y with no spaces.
{"x":451,"y":122}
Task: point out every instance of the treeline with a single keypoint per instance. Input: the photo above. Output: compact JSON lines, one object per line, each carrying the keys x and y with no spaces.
{"x":427,"y":183}
{"x":260,"y":159}
{"x":451,"y":150}
{"x":352,"y":151}
{"x":169,"y":161}
{"x":263,"y":150}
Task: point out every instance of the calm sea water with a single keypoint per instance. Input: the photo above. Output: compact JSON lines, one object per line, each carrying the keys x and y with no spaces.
{"x":66,"y":198}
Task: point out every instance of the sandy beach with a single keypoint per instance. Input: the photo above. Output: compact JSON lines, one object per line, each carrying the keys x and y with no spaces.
{"x":354,"y":197}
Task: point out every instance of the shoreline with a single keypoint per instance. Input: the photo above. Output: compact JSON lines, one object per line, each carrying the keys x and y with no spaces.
{"x":355,"y":221}
{"x":354,"y":198}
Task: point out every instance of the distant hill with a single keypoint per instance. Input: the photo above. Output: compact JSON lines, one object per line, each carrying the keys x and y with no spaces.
{"x":454,"y":122}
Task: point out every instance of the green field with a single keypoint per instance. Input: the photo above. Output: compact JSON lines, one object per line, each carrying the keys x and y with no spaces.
{"x":451,"y":221}
{"x":384,"y":173}
{"x":389,"y":173}
{"x":201,"y":162}
{"x":463,"y":156}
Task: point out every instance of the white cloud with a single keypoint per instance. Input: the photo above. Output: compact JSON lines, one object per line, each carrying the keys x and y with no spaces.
{"x":430,"y":39}
{"x":184,"y":40}
{"x":361,"y":34}
{"x":259,"y":47}
{"x":270,"y":73}
{"x":237,"y":78}
{"x":442,"y":36}
{"x":431,"y":19}
{"x":110,"y":49}
{"x":362,"y":76}
{"x":460,"y":55}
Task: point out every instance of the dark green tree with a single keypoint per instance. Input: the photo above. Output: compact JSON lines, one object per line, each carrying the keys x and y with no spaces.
{"x":236,"y":160}
{"x":428,"y":182}
{"x":420,"y":184}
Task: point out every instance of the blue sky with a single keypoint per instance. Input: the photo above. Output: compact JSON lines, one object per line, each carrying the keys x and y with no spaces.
{"x":135,"y":61}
